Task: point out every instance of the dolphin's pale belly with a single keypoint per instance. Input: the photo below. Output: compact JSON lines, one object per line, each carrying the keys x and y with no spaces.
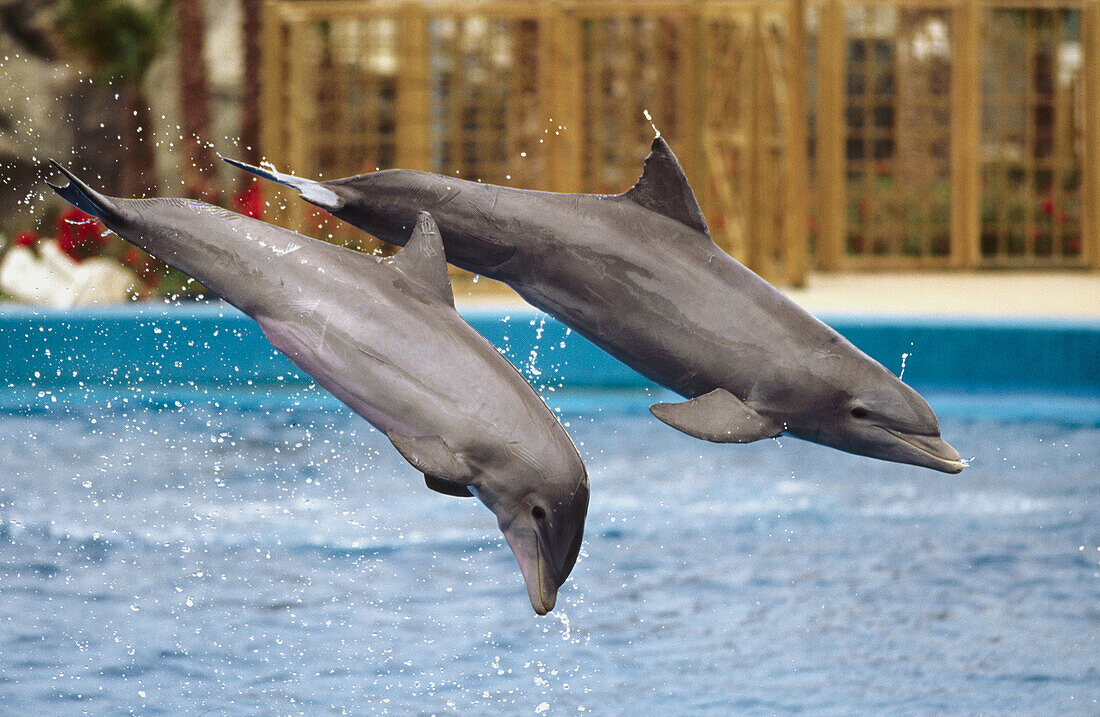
{"x":291,"y":340}
{"x":396,"y":386}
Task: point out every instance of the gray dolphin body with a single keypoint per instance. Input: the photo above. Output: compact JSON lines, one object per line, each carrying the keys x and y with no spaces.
{"x":638,"y":275}
{"x":383,"y":337}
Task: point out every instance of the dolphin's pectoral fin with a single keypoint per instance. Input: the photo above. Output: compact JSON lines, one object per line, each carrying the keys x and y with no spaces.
{"x":435,"y":459}
{"x":447,"y":487}
{"x":718,"y":416}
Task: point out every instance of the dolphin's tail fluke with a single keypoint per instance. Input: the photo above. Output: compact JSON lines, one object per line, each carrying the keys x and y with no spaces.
{"x":84,"y":198}
{"x":315,"y":193}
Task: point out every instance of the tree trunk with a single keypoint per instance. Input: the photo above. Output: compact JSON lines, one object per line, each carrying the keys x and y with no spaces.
{"x":198,"y":163}
{"x":139,"y":165}
{"x":250,"y":100}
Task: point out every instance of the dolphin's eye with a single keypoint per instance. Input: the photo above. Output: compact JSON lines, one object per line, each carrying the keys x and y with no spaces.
{"x":538,"y":512}
{"x":859,"y":412}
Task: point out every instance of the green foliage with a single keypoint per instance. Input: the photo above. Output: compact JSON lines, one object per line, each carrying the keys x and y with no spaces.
{"x":120,"y":38}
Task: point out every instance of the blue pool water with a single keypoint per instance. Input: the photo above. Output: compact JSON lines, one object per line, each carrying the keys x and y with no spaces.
{"x":223,"y":556}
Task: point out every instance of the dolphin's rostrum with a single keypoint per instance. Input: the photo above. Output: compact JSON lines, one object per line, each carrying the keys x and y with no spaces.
{"x":638,"y":275}
{"x":383,"y":337}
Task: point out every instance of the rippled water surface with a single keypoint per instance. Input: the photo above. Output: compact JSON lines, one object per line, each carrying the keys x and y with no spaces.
{"x":285,"y":560}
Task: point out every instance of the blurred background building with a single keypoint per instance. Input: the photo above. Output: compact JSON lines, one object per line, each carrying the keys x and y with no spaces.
{"x":819,"y":135}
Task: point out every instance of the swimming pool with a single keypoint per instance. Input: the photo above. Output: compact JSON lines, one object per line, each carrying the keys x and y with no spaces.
{"x":170,"y":546}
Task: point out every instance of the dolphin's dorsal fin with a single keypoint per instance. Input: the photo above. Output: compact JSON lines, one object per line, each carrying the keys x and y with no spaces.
{"x":444,"y":470}
{"x":664,"y":188}
{"x":718,"y":416}
{"x":423,"y":261}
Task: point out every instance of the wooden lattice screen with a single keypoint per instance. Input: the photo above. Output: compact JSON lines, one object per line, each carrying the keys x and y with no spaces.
{"x":897,"y":127}
{"x":1031,"y":137}
{"x":560,"y":96}
{"x":957,"y":133}
{"x":946,"y":133}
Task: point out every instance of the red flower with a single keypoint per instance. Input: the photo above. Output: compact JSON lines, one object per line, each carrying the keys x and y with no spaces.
{"x":131,"y":257}
{"x":1048,"y":207}
{"x":27,"y":237}
{"x":250,"y":202}
{"x":79,"y":234}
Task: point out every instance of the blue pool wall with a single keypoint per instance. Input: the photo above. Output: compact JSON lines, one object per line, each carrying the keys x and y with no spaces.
{"x":215,"y":345}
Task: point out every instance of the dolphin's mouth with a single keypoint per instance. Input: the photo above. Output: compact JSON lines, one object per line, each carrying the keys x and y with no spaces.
{"x":538,"y":572}
{"x":940,"y":455}
{"x":547,"y":600}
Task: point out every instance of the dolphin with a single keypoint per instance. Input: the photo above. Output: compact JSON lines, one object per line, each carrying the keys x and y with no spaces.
{"x":383,"y":336}
{"x":638,"y":275}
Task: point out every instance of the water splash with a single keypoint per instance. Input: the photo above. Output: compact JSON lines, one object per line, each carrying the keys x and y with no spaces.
{"x":561,"y":617}
{"x":905,"y":357}
{"x":530,"y":367}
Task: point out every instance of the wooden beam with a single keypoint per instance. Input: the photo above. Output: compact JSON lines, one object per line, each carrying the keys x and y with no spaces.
{"x":301,"y":128}
{"x":757,"y":244}
{"x":795,"y":228}
{"x":691,"y":94}
{"x":966,"y":136}
{"x":832,"y":190}
{"x":1090,"y":57}
{"x":561,"y":62}
{"x":412,"y":134}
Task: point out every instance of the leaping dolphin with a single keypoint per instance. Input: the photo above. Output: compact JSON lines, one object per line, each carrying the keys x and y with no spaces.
{"x":638,"y":275}
{"x":383,"y":336}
